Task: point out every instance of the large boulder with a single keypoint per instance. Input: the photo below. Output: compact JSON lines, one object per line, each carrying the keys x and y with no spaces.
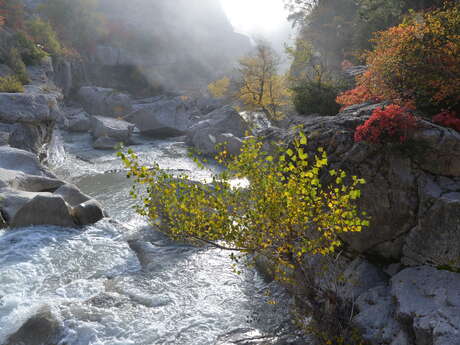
{"x":116,"y":129}
{"x":428,"y":301}
{"x":104,"y":101}
{"x":223,"y":120}
{"x":220,"y":129}
{"x":44,"y":209}
{"x":25,"y":182}
{"x":20,"y":160}
{"x":31,"y":108}
{"x":11,"y":201}
{"x":78,"y":121}
{"x":89,"y":212}
{"x":167,"y":117}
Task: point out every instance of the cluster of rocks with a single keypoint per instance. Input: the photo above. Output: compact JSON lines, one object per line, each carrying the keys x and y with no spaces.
{"x":112,"y":116}
{"x":31,"y":195}
{"x":405,"y":287}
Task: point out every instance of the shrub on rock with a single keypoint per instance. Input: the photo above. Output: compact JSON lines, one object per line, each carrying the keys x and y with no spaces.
{"x":390,"y":124}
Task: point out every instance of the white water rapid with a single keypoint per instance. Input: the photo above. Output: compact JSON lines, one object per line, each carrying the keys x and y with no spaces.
{"x":102,"y":293}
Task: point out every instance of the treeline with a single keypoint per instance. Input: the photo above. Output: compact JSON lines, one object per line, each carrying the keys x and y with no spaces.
{"x":341,"y":29}
{"x":411,"y":48}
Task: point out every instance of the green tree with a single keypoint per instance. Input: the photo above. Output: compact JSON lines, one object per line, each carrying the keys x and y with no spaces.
{"x":313,"y":84}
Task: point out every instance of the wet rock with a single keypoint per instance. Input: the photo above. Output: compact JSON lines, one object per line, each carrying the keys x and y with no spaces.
{"x":104,"y":101}
{"x":89,"y":212}
{"x":78,"y":122}
{"x":43,"y":209}
{"x":20,"y":160}
{"x":428,"y":300}
{"x":71,"y":194}
{"x":116,"y":129}
{"x":168,"y":117}
{"x":41,"y":329}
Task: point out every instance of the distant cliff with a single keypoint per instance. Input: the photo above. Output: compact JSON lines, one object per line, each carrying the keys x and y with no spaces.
{"x":176,"y":44}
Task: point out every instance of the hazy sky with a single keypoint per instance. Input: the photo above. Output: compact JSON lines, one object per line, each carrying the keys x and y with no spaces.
{"x":256,"y":16}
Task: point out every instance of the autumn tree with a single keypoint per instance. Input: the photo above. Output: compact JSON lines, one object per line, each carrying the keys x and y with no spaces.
{"x":259,"y":85}
{"x":219,"y":88}
{"x":285,"y":213}
{"x":417,"y":61}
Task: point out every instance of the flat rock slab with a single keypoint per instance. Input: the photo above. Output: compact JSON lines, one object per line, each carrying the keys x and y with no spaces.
{"x":169,"y":117}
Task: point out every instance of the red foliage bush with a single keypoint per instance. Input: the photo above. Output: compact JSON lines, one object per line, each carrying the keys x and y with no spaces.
{"x":448,"y":119}
{"x":392,"y":123}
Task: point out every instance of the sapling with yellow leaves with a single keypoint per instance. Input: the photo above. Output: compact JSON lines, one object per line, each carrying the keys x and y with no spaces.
{"x":285,"y":211}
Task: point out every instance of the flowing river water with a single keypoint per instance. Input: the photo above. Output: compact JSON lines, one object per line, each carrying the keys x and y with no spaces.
{"x":102,"y":292}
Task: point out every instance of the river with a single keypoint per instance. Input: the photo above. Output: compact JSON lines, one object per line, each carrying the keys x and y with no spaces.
{"x":99,"y":289}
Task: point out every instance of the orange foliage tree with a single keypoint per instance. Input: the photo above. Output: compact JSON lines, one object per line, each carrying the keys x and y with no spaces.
{"x":417,"y":61}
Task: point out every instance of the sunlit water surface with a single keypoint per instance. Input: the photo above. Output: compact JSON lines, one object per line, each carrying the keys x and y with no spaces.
{"x":95,"y":284}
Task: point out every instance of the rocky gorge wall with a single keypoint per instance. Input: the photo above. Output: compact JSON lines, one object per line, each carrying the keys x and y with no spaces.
{"x":398,"y":280}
